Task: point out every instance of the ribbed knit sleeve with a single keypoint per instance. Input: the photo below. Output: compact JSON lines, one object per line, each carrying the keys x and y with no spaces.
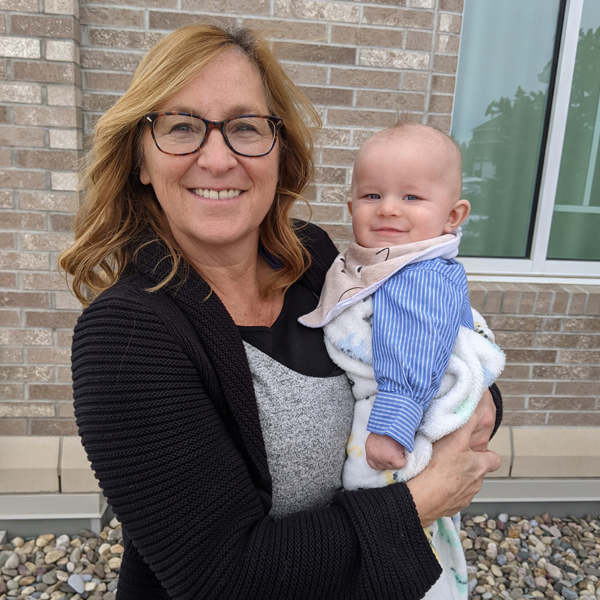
{"x":195,"y":522}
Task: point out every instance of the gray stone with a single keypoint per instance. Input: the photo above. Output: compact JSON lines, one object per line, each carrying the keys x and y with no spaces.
{"x":77,"y":583}
{"x":12,"y":562}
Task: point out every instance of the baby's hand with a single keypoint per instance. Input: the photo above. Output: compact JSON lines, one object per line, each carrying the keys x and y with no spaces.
{"x":384,"y":452}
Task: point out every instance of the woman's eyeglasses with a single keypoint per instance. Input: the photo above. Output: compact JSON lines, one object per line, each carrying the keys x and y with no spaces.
{"x":178,"y":133}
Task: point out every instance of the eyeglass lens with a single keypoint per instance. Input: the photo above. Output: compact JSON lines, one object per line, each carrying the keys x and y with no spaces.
{"x":181,"y":134}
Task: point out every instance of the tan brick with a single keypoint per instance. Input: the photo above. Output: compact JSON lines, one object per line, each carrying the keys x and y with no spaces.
{"x":48,"y":117}
{"x":26,"y":409}
{"x":322,"y":11}
{"x":396,"y":59}
{"x":516,"y":372}
{"x":561,"y":403}
{"x":24,"y":300}
{"x":493,"y":299}
{"x":440,"y":122}
{"x":14,"y":47}
{"x":543,"y":302}
{"x":64,"y":182}
{"x":589,"y":357}
{"x":339,"y":156}
{"x":418,"y":40}
{"x":98,"y":102}
{"x":332,"y":137}
{"x":26,"y":337}
{"x":565,"y":372}
{"x":578,"y":302}
{"x":556,"y":340}
{"x":62,"y":7}
{"x":64,"y":95}
{"x":114,"y":38}
{"x":448,"y":44}
{"x":46,"y":72}
{"x":452,"y":5}
{"x":367,"y":36}
{"x":13,"y":427}
{"x":445,"y":63}
{"x":502,"y":322}
{"x":49,"y":202}
{"x":585,"y":325}
{"x":575,"y":419}
{"x":510,"y":301}
{"x":422,"y":3}
{"x":449,"y":23}
{"x":330,"y":175}
{"x":47,"y":159}
{"x":62,"y":50}
{"x":5,"y":157}
{"x":398,"y":17}
{"x":314,"y":53}
{"x":521,"y":418}
{"x":66,"y":410}
{"x":61,"y":223}
{"x":360,"y":118}
{"x":337,"y":232}
{"x":64,"y":337}
{"x":513,"y":402}
{"x":11,"y":355}
{"x":50,"y":356}
{"x":390,"y":100}
{"x":65,"y":139}
{"x":440,"y":104}
{"x":8,"y":280}
{"x":360,"y":136}
{"x":24,"y":260}
{"x":60,"y":27}
{"x":43,"y":391}
{"x":19,"y":178}
{"x":551,"y":324}
{"x":20,"y":93}
{"x":66,"y":301}
{"x":319,"y":212}
{"x":335,"y":194}
{"x":9,"y":318}
{"x":12,"y":391}
{"x":45,"y":241}
{"x":311,"y":74}
{"x":113,"y":16}
{"x":110,"y":60}
{"x":530,"y":356}
{"x":51,"y":319}
{"x":328,"y":96}
{"x":21,"y":136}
{"x":23,"y":220}
{"x":64,"y":374}
{"x":364,"y":78}
{"x":577,"y":388}
{"x":592,"y":306}
{"x":527,"y":304}
{"x":19,"y":5}
{"x":444,"y":84}
{"x":514,"y":340}
{"x":26,"y":373}
{"x":110,"y":82}
{"x":527,"y":387}
{"x":7,"y":241}
{"x":290,"y":30}
{"x":53,"y":427}
{"x":477,"y":297}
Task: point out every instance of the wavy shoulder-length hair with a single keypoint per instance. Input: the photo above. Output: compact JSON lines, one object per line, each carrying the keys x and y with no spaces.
{"x":118,"y":209}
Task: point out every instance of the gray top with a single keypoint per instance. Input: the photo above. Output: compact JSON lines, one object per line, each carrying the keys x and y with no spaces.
{"x":305,"y":424}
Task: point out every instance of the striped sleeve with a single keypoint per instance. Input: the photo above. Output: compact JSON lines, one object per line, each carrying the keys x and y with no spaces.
{"x":416,"y":317}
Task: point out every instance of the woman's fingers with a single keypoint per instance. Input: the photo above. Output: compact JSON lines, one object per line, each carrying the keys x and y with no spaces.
{"x":485,"y":415}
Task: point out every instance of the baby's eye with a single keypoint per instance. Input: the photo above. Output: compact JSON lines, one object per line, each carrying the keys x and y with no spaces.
{"x":373,"y":196}
{"x":410,"y":197}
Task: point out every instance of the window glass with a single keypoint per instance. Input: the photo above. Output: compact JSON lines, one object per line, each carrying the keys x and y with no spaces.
{"x":500,"y":103}
{"x":576,"y":217}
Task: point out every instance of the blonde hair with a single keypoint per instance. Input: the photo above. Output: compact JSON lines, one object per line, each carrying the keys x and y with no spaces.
{"x":118,"y":208}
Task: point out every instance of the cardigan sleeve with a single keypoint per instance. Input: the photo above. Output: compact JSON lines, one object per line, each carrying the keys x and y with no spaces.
{"x":195,"y":523}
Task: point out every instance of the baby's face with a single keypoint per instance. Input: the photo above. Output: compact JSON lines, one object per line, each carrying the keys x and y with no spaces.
{"x":404,"y":190}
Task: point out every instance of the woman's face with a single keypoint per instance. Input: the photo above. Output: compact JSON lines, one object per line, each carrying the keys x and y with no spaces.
{"x":228,"y":86}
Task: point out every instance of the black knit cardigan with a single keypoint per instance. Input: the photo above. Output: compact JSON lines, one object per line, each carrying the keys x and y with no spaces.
{"x":166,"y":409}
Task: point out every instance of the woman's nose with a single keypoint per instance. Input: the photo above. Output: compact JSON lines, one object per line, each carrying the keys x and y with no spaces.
{"x":215,"y":155}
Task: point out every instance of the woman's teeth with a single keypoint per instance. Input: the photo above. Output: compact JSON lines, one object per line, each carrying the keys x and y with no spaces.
{"x":215,"y":195}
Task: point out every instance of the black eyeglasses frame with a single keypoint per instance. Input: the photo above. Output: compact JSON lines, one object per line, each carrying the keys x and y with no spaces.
{"x":150,"y":118}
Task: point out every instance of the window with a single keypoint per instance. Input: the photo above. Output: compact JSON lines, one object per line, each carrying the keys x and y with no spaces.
{"x":527,"y":118}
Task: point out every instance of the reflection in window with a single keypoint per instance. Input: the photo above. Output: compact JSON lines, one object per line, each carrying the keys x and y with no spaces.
{"x":576,"y":218}
{"x":500,"y":105}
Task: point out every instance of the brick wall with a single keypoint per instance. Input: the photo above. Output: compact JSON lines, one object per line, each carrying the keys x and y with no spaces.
{"x":64,"y":62}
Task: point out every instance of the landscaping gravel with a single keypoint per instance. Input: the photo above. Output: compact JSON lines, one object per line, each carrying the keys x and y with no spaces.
{"x":509,"y":558}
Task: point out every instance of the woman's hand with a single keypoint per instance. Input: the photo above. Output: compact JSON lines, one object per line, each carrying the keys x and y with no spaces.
{"x":485,"y":416}
{"x":455,"y":473}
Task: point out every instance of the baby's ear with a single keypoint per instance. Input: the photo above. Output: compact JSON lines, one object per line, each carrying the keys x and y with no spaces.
{"x":460,"y":211}
{"x":349,"y":204}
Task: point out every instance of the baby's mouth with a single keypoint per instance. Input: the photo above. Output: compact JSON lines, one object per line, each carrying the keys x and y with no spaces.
{"x":217,"y":194}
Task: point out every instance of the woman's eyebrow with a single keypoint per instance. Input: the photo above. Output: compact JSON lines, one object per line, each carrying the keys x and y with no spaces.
{"x":240,"y":109}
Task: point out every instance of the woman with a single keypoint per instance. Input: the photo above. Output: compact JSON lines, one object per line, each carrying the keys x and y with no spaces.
{"x":192,"y":378}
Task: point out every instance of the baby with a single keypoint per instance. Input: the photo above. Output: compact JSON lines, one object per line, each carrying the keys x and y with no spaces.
{"x":397,"y":318}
